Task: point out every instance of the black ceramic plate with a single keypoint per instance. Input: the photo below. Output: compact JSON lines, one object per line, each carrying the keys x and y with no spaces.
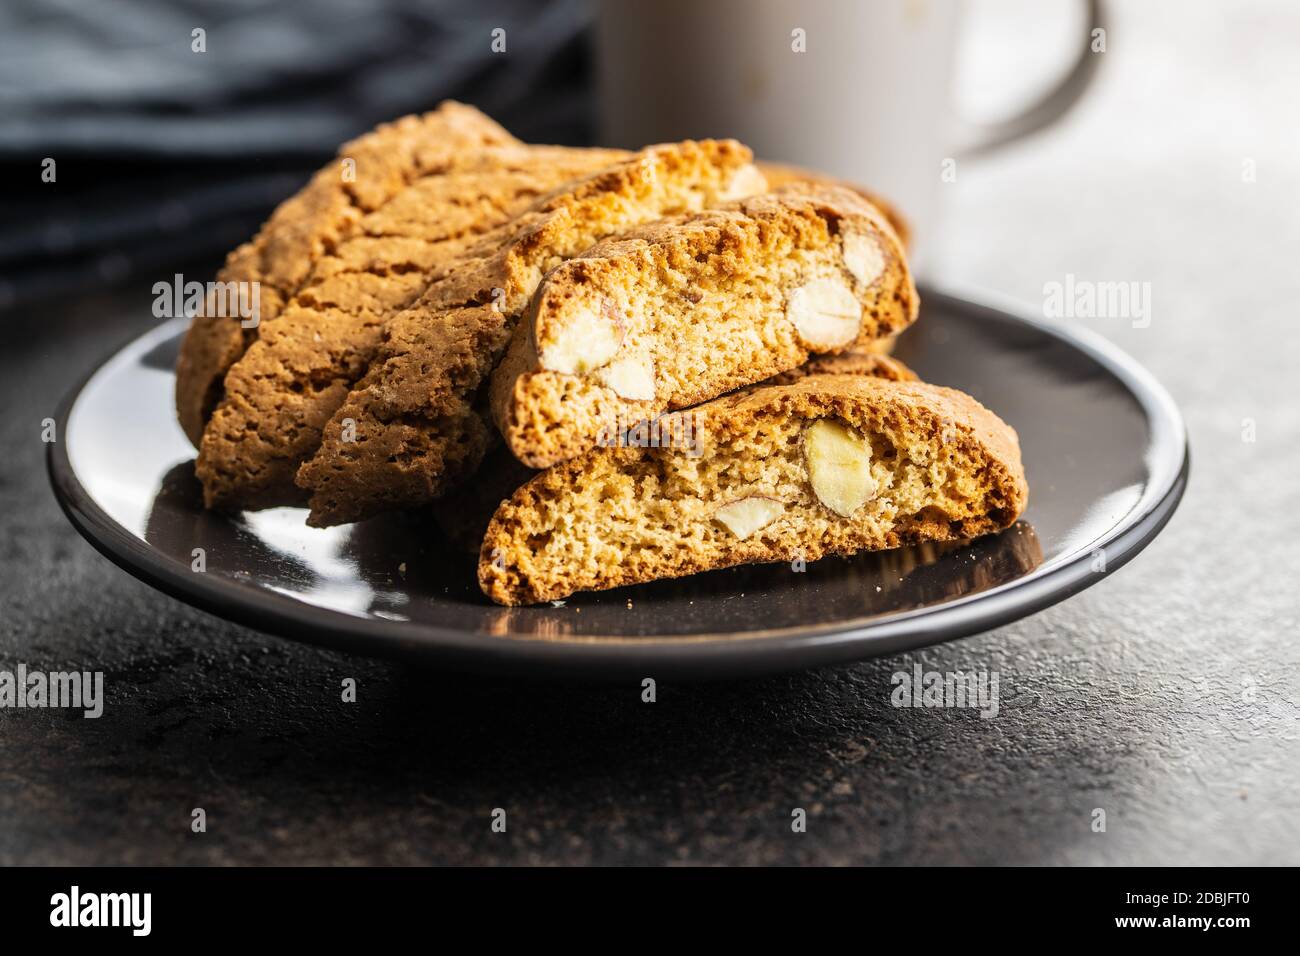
{"x":1104,"y":448}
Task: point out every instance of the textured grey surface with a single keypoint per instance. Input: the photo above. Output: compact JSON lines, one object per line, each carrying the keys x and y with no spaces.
{"x":1166,"y":695}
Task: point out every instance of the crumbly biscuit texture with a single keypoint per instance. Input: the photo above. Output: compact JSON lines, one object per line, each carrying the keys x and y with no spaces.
{"x":279,"y":394}
{"x":367,"y":173}
{"x":831,"y":464}
{"x":410,"y":429}
{"x":682,"y":310}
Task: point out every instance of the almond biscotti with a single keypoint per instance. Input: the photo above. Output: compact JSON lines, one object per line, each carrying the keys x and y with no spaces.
{"x":832,"y":464}
{"x":465,"y":512}
{"x":680,"y":311}
{"x":280,"y":393}
{"x":306,"y":227}
{"x":409,"y":428}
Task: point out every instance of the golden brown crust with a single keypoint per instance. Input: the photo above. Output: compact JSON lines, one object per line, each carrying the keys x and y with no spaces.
{"x":307,"y":226}
{"x":282,"y":391}
{"x":781,"y":174}
{"x":410,"y":414}
{"x":945,"y":468}
{"x":701,"y":305}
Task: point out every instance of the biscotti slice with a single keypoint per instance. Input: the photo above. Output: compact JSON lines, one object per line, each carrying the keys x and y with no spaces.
{"x":284,"y":388}
{"x":680,"y":311}
{"x":368,"y":172}
{"x":832,"y":464}
{"x":465,"y":512}
{"x":409,"y":429}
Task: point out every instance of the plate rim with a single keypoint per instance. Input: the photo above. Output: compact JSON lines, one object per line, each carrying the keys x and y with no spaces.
{"x":715,"y":654}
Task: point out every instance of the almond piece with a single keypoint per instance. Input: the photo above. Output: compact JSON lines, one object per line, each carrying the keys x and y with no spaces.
{"x":742,"y":518}
{"x":825,"y":313}
{"x":632,"y":376}
{"x":839,"y":466}
{"x":747,"y":182}
{"x":863,"y":258}
{"x":583,"y":338}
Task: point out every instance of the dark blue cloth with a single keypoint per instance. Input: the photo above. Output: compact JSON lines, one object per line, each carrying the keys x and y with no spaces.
{"x":163,"y":152}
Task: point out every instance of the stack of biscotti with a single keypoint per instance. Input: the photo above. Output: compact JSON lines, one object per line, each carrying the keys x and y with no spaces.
{"x":675,"y":353}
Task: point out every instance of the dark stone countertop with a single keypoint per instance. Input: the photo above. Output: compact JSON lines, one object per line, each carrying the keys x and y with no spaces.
{"x":1166,"y":695}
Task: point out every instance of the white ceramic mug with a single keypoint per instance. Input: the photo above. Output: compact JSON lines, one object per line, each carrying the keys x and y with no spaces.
{"x":860,"y":89}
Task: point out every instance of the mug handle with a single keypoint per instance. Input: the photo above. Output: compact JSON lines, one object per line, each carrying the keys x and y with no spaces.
{"x":1054,"y":104}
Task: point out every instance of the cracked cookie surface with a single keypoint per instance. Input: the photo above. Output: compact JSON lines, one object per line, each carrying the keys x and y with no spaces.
{"x":308,"y":226}
{"x":279,"y":394}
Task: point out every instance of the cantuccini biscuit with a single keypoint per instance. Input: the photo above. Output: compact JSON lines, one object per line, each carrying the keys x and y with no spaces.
{"x":409,"y":429}
{"x":278,"y":395}
{"x":679,"y":311}
{"x":831,"y":464}
{"x":310,"y":225}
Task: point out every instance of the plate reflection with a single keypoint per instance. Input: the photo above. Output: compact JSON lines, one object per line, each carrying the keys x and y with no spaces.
{"x":403,"y":568}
